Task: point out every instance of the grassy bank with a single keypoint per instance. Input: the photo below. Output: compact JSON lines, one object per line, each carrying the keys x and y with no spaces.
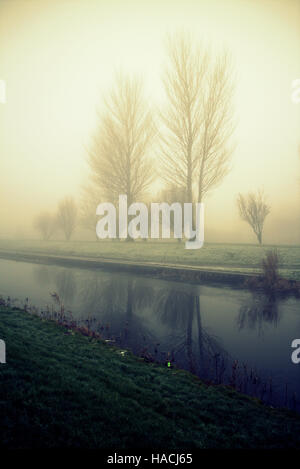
{"x":62,"y":389}
{"x":235,"y":257}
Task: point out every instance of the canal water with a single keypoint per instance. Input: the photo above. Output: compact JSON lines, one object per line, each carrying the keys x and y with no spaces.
{"x":223,"y":335}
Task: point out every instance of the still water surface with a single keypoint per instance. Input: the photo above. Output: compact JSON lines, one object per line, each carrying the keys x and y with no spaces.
{"x":221,"y":334}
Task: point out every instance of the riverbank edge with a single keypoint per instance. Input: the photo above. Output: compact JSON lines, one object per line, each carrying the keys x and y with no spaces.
{"x":60,"y":388}
{"x":171,"y":272}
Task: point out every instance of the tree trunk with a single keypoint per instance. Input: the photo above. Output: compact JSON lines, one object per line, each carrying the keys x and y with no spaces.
{"x":259,"y":237}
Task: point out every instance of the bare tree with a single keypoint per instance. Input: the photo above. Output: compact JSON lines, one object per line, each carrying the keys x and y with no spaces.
{"x":90,"y":199}
{"x":67,"y":216}
{"x":217,"y":125}
{"x":45,"y":224}
{"x":118,"y":157}
{"x":253,"y":210}
{"x":183,"y":79}
{"x":197,"y":122}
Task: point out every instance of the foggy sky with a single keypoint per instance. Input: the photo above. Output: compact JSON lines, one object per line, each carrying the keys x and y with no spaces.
{"x":58,"y":58}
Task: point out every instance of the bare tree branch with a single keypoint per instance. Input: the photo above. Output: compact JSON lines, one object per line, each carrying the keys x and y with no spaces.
{"x":214,"y":150}
{"x":118,"y":157}
{"x":197,"y":122}
{"x":183,"y":79}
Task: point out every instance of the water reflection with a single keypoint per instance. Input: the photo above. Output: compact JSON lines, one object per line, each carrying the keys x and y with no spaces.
{"x":63,"y":281}
{"x":114,"y":303}
{"x":41,"y":275}
{"x":258,"y":311}
{"x":191,"y":344}
{"x":65,"y":285}
{"x":156,"y":322}
{"x":219,"y":334}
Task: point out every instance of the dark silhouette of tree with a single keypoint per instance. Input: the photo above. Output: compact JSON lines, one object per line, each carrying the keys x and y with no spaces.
{"x":254,"y":210}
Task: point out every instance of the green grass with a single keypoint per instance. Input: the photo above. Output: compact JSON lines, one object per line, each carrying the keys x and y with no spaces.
{"x":237,"y":257}
{"x":62,"y":389}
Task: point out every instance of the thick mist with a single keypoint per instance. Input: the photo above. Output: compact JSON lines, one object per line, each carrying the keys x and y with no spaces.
{"x":58,"y":59}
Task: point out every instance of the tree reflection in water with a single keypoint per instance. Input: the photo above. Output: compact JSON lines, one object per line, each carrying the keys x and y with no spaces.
{"x":162,"y":321}
{"x":191,"y":345}
{"x":65,"y":285}
{"x":121,"y":308}
{"x":62,"y":280}
{"x":258,"y":311}
{"x":115,"y":302}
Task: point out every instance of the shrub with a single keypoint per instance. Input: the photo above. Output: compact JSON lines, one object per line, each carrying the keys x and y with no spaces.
{"x":270,"y":265}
